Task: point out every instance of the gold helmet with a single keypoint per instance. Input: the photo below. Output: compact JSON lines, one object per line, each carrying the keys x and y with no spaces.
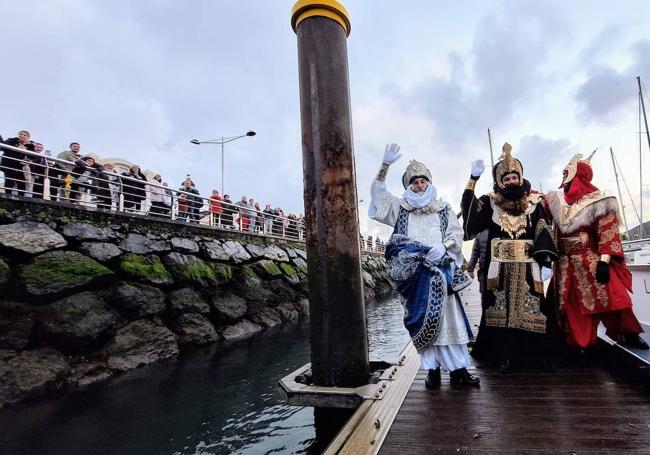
{"x":414,"y":170}
{"x":507,"y":165}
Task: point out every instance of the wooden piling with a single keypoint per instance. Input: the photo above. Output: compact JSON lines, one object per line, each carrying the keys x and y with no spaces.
{"x":339,"y":340}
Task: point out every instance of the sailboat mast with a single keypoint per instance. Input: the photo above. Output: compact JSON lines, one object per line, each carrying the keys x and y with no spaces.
{"x":645,"y":119}
{"x":620,"y":195}
{"x":491,"y":153}
{"x":641,"y":111}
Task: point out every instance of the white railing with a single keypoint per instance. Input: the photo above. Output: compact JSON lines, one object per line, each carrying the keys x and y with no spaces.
{"x":35,"y":175}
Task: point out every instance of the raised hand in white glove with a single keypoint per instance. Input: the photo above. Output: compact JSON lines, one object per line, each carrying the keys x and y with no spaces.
{"x":436,"y":252}
{"x":391,"y":154}
{"x":477,"y":168}
{"x":547,"y":273}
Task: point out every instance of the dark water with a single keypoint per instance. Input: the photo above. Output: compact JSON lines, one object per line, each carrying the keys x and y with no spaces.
{"x":212,"y":401}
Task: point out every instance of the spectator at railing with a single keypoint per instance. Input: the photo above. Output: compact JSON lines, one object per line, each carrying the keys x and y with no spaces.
{"x":159,"y":197}
{"x":56,"y":175}
{"x":253,"y":215}
{"x":12,"y":163}
{"x":268,"y":213}
{"x":37,"y":168}
{"x":228,"y":212}
{"x":292,"y":227}
{"x":134,"y":190}
{"x":113,"y":185}
{"x":244,"y":211}
{"x":301,"y":226}
{"x":216,"y":208}
{"x":32,"y":167}
{"x":189,"y":205}
{"x":86,"y":179}
{"x":278,"y":226}
{"x":71,"y":155}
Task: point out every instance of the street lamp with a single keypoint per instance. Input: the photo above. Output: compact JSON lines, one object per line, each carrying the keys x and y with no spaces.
{"x":222,"y":141}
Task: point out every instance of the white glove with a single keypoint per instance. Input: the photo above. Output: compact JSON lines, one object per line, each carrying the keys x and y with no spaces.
{"x":436,"y":252}
{"x":391,"y":154}
{"x":546,"y":273}
{"x":477,"y":168}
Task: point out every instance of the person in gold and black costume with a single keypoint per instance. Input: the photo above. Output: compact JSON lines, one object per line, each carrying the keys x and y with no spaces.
{"x":520,"y":253}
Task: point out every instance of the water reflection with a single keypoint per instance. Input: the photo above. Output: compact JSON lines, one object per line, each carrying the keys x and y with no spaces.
{"x":213,"y":401}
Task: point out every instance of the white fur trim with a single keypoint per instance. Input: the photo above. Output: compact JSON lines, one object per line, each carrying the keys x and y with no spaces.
{"x":587,"y":216}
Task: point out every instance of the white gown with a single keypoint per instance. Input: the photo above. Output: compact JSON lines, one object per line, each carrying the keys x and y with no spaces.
{"x":449,"y":351}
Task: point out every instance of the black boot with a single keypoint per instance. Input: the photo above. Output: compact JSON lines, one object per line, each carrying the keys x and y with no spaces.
{"x":433,"y":379}
{"x":462,"y":376}
{"x":633,"y":340}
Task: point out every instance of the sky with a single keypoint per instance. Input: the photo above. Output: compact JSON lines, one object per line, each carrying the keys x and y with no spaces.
{"x":140,"y":79}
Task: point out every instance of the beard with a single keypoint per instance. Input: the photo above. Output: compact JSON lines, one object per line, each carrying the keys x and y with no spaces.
{"x":513,"y":199}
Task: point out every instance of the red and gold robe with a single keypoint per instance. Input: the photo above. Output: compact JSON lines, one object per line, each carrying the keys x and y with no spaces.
{"x":586,"y":230}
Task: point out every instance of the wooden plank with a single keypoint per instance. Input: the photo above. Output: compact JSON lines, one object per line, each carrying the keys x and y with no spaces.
{"x":366,"y":430}
{"x":572,"y":411}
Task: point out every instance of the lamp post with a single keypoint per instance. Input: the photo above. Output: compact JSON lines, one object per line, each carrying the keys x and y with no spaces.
{"x":222,"y":142}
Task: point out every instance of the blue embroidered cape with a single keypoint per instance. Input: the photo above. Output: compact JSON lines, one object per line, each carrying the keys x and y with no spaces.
{"x":424,"y":285}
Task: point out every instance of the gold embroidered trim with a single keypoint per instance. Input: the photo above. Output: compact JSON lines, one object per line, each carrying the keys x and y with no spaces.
{"x":381,"y":175}
{"x":605,"y":258}
{"x":504,"y":250}
{"x":496,"y":315}
{"x":515,"y":306}
{"x":513,"y":225}
{"x":471,"y":185}
{"x":541,"y":226}
{"x":568,"y":212}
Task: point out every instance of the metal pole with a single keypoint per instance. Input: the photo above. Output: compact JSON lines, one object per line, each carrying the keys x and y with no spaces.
{"x":491,"y":153}
{"x":222,"y":165}
{"x":339,"y":343}
{"x":620,"y":195}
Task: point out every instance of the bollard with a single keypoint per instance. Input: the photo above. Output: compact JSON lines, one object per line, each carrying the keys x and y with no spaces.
{"x":339,"y":344}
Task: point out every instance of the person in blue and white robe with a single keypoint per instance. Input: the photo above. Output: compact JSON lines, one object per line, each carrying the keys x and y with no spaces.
{"x":423,"y":256}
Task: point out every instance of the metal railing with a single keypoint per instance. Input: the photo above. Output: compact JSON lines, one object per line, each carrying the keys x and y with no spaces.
{"x":36,"y":175}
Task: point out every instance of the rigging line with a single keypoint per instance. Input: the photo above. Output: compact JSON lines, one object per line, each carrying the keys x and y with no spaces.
{"x":620,"y":171}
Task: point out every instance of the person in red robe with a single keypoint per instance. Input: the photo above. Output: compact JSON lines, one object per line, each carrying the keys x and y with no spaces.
{"x":592,"y":282}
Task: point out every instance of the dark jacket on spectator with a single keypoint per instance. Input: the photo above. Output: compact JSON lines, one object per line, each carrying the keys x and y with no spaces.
{"x":12,"y":159}
{"x":134,"y":190}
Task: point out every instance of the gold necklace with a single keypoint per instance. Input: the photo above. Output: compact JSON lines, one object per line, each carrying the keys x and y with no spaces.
{"x":514,"y":225}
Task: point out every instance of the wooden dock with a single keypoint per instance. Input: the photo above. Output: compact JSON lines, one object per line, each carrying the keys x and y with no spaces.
{"x":575,"y":411}
{"x":594,"y":410}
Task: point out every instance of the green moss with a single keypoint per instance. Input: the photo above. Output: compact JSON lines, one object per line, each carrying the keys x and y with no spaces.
{"x":248,"y":272}
{"x":66,"y":219}
{"x":147,"y":268}
{"x":223,"y":272}
{"x":58,"y":271}
{"x":201,"y":272}
{"x":198,"y":271}
{"x":268,"y":268}
{"x":288,"y":270}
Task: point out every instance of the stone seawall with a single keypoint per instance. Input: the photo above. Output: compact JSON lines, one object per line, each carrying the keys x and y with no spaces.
{"x":87,"y":294}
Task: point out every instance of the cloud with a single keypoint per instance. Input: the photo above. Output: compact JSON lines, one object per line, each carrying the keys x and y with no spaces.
{"x":543,"y":160}
{"x":608,"y":90}
{"x":489,"y":85}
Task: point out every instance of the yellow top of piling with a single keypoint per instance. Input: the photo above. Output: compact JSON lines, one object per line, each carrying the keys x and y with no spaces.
{"x":324,"y":8}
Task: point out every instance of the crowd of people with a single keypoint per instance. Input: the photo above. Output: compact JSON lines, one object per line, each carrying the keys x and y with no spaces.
{"x":80,"y":178}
